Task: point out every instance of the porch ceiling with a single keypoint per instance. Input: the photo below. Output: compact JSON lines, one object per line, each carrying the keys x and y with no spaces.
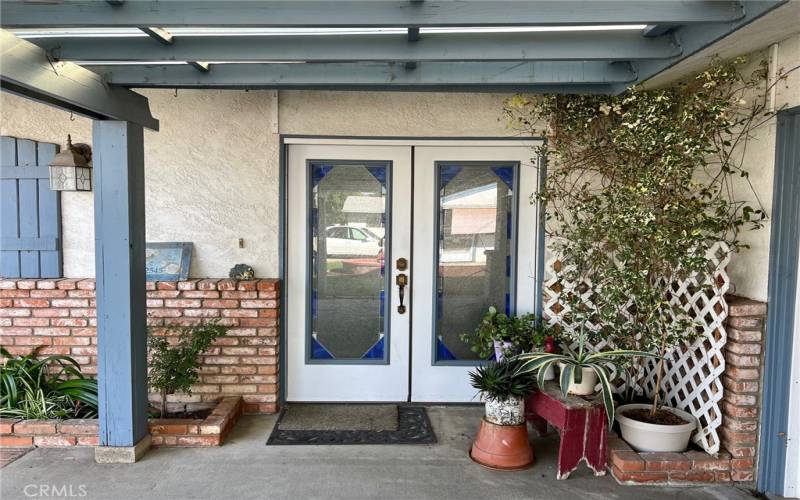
{"x":579,"y":46}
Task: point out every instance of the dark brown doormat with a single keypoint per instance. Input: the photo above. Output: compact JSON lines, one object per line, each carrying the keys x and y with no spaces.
{"x":352,"y":424}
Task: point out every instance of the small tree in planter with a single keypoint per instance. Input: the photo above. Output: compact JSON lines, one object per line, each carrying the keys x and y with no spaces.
{"x":174,"y":366}
{"x":639,"y":192}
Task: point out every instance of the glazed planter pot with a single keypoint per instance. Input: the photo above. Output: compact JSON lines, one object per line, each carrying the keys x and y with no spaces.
{"x":502,"y":447}
{"x":643,"y":436}
{"x":510,"y":411}
{"x":500,"y":348}
{"x":587,"y":385}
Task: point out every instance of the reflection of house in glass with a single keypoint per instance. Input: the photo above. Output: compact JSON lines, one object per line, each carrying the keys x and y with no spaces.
{"x":469,"y":222}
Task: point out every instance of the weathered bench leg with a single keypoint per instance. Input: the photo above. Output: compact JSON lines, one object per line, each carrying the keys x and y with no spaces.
{"x":570,"y":451}
{"x":596,"y":440}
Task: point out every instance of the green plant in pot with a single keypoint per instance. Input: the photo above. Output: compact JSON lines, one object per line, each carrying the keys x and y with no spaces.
{"x":580,"y":371}
{"x":174,"y":366}
{"x":503,"y":335}
{"x":641,"y":194}
{"x":504,"y":390}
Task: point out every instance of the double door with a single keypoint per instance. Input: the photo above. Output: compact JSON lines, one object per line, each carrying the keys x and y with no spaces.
{"x":393,"y":252}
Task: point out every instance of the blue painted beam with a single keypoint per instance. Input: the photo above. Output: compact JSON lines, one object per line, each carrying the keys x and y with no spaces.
{"x":118,"y":157}
{"x":541,"y":46}
{"x":387,"y":13}
{"x":542,"y":76}
{"x":26,"y":70}
{"x":694,"y":38}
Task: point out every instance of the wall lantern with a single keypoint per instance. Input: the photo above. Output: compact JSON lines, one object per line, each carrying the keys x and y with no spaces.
{"x":71,"y":169}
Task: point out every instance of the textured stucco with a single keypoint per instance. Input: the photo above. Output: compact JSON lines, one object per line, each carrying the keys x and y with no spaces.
{"x":749,"y":268}
{"x":212,"y":170}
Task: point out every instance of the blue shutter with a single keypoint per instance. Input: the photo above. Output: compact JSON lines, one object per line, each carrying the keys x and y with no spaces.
{"x":30,"y":213}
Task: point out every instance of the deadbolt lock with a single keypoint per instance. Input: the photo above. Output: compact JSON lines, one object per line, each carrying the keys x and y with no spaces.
{"x":401,"y":264}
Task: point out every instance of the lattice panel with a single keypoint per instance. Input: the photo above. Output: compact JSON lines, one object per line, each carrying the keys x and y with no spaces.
{"x":692,"y":373}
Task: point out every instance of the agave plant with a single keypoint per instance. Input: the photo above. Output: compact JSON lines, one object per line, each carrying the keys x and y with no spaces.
{"x":50,"y":387}
{"x":573,"y":362}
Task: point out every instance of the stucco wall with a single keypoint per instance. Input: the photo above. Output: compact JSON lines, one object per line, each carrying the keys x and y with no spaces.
{"x":212,"y":170}
{"x":749,"y":268}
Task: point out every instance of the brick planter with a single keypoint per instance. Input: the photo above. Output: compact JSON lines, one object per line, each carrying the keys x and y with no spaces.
{"x":741,"y":404}
{"x":210,"y":431}
{"x":60,"y":316}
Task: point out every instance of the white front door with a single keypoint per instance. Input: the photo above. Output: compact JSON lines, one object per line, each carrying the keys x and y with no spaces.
{"x":352,"y":213}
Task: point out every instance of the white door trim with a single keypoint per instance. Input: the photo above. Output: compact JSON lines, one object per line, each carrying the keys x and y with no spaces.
{"x":415,"y":141}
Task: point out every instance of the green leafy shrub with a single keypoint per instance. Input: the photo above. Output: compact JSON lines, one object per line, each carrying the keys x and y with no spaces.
{"x":174,"y":366}
{"x":502,"y":380}
{"x":639,"y":190}
{"x":524,"y":332}
{"x":50,"y":387}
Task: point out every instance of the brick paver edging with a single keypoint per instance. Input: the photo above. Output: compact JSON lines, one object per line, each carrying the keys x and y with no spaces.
{"x":211,"y":431}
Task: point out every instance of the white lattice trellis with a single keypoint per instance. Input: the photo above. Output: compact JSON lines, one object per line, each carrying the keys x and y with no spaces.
{"x":692,"y":372}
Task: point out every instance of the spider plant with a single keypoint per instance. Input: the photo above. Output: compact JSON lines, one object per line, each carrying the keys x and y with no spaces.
{"x":573,"y":364}
{"x":50,"y":387}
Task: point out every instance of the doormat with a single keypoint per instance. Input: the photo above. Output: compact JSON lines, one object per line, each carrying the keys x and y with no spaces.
{"x":352,"y":424}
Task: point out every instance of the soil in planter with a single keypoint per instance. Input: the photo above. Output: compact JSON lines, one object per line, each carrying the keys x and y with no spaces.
{"x":194,"y":414}
{"x":662,"y":417}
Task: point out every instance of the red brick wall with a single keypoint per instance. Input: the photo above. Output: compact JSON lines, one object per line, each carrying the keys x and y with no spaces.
{"x":60,"y":316}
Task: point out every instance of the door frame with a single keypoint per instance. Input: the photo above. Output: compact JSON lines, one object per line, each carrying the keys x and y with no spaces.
{"x":285,"y":140}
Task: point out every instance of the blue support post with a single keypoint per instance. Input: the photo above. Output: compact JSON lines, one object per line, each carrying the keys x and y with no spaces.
{"x":120,"y":271}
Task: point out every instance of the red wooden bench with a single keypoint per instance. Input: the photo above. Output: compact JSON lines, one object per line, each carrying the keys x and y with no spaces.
{"x":581,"y":422}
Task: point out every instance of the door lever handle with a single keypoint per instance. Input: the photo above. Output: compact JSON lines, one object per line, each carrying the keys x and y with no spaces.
{"x":402,"y":281}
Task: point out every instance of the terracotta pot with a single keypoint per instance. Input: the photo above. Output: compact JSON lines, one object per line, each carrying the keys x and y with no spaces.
{"x":504,"y":447}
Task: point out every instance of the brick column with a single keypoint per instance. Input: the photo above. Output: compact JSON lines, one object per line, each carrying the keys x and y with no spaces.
{"x":742,"y":381}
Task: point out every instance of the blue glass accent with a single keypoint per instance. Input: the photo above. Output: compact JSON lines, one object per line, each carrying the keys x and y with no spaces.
{"x":318,"y":351}
{"x":506,"y":174}
{"x":446,"y":174}
{"x":383,"y":299}
{"x":376,"y":351}
{"x":318,"y":172}
{"x":508,"y":304}
{"x":508,"y":266}
{"x":313,"y":303}
{"x":379,"y":173}
{"x":442,"y":352}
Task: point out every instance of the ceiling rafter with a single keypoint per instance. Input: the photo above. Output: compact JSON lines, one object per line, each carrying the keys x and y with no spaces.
{"x":543,"y":46}
{"x":354,"y":13}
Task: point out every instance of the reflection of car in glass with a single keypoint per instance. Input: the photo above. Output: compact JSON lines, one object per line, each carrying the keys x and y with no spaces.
{"x":351,"y":241}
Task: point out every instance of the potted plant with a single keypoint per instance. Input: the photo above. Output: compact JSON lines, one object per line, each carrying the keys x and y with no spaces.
{"x":504,"y":335}
{"x":641,"y":196}
{"x":502,"y":439}
{"x":174,"y":366}
{"x":580,"y":371}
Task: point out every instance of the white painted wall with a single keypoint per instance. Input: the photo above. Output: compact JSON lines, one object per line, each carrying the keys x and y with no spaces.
{"x":212,"y":170}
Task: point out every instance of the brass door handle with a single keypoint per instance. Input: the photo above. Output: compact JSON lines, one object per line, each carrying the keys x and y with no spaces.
{"x":402,"y":281}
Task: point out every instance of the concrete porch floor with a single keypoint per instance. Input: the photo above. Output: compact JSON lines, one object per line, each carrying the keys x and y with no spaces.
{"x":245,"y":468}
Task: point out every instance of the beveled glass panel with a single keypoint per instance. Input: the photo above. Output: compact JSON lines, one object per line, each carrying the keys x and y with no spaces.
{"x":348,"y":282}
{"x":476,"y":210}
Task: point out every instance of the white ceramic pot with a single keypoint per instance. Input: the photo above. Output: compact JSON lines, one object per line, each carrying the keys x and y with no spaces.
{"x":654,"y":437}
{"x":510,"y":411}
{"x":587,"y":385}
